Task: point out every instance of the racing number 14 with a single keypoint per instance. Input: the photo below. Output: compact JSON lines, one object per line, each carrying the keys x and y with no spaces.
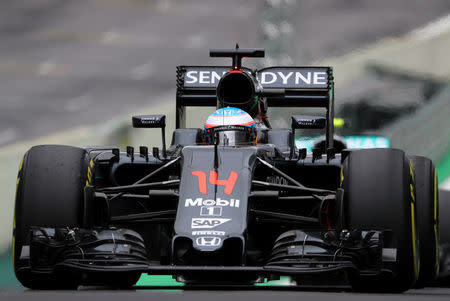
{"x":228,"y":183}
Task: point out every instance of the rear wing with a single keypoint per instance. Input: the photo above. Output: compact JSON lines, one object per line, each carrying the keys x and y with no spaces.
{"x":291,"y":87}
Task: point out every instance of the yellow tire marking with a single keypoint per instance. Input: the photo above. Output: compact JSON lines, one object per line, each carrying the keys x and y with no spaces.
{"x":415,"y":240}
{"x":436,"y":234}
{"x":413,"y":226}
{"x":89,"y":173}
{"x":21,"y":165}
{"x":14,"y":223}
{"x":411,"y":189}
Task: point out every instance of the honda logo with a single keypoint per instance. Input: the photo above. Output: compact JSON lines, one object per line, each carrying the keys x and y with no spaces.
{"x":208,"y":241}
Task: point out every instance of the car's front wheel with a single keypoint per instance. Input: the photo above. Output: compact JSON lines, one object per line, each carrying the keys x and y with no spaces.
{"x":379,"y":194}
{"x":49,"y":193}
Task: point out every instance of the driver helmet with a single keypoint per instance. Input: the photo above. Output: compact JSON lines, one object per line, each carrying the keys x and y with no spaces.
{"x":230,"y":126}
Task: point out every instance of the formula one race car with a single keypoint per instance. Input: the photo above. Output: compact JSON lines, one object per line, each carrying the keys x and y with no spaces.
{"x":233,"y":203}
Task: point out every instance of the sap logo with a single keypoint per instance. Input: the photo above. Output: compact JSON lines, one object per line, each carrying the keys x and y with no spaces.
{"x":210,"y":202}
{"x":293,"y":78}
{"x":207,"y":223}
{"x":208,"y":241}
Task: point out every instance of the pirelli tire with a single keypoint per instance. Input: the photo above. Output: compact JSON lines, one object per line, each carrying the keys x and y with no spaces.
{"x":444,"y":239}
{"x":427,"y":204}
{"x":379,"y":194}
{"x":50,"y":187}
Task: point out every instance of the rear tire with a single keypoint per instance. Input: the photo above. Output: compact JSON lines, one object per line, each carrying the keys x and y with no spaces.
{"x":379,"y":195}
{"x":444,"y":237}
{"x":427,"y":219}
{"x":49,"y":193}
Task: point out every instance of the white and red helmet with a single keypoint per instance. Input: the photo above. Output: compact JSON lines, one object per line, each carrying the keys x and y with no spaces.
{"x":232,"y":125}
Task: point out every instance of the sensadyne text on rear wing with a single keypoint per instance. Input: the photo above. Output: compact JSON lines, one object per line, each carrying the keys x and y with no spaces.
{"x":281,"y":86}
{"x":272,"y":77}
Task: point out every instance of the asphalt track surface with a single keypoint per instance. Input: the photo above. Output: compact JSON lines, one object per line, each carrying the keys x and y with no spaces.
{"x":69,"y":63}
{"x":66,"y":63}
{"x":236,"y":294}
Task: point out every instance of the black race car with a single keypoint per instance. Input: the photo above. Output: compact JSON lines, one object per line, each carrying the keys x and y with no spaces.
{"x":208,"y":211}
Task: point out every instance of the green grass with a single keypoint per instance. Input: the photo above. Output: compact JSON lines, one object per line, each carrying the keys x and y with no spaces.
{"x":163,"y":280}
{"x":157,"y":280}
{"x":7,"y":277}
{"x":443,"y":169}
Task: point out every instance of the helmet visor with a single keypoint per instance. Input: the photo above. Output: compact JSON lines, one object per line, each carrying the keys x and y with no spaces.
{"x":234,"y":138}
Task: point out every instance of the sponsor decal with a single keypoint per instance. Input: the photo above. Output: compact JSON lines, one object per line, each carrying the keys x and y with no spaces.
{"x":208,"y":241}
{"x":366,"y":142}
{"x":213,"y":179}
{"x":207,"y":223}
{"x":285,"y":78}
{"x":203,"y":77}
{"x":199,"y":202}
{"x":211,"y":211}
{"x":281,"y":77}
{"x":351,"y":141}
{"x":208,"y":232}
{"x":201,"y":177}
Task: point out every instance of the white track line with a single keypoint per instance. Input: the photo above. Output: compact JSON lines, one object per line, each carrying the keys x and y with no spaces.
{"x":446,"y":184}
{"x":432,"y":29}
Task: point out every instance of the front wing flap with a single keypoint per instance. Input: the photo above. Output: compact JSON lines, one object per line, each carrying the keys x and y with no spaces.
{"x":121,"y":250}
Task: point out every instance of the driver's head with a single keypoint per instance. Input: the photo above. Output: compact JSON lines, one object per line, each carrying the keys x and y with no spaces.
{"x":231,"y":126}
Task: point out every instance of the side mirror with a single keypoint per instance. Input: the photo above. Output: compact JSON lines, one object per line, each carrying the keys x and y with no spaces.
{"x":152,"y":121}
{"x":308,"y":122}
{"x":149,"y":121}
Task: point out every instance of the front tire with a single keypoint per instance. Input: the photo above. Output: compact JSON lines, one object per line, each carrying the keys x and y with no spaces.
{"x":379,"y":195}
{"x":49,"y":193}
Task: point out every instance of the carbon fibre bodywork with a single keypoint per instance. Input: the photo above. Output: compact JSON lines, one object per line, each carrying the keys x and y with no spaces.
{"x":208,"y":212}
{"x":208,"y":234}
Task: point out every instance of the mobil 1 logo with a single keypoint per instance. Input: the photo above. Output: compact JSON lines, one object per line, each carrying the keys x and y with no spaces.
{"x":201,"y":202}
{"x":210,"y":211}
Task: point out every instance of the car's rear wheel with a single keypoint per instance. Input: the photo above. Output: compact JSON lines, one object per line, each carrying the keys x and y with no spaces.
{"x":425,"y":177}
{"x":444,"y":239}
{"x":379,"y":195}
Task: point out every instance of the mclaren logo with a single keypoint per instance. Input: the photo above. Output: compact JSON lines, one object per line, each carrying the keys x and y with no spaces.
{"x":208,"y":241}
{"x":207,"y":223}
